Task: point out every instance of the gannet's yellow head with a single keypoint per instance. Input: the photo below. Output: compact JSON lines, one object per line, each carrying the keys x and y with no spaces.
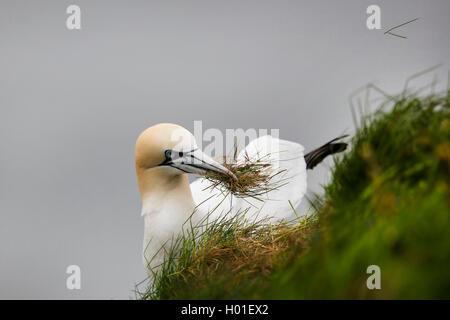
{"x":156,"y":144}
{"x":167,"y":151}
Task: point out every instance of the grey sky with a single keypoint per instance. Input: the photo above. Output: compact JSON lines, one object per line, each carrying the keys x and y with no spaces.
{"x":72,"y":104}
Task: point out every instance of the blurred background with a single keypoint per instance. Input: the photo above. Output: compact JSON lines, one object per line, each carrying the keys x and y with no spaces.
{"x":72,"y":103}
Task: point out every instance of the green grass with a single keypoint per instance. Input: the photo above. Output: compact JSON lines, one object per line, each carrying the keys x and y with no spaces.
{"x":388,"y":204}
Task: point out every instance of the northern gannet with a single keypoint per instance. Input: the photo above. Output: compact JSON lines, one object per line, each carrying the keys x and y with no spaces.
{"x":165,"y":153}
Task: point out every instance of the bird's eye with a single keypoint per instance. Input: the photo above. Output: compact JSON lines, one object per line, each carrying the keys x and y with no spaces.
{"x":180,"y":153}
{"x":168,"y":153}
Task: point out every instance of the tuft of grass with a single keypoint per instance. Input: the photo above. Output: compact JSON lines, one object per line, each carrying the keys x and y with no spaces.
{"x":224,"y":254}
{"x":386,"y":205}
{"x":252,"y":177}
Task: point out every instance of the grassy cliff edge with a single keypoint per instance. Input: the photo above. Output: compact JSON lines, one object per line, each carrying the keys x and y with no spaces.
{"x":388,"y":204}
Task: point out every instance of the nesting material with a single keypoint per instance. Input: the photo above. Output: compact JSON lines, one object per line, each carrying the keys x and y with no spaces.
{"x":254,"y":177}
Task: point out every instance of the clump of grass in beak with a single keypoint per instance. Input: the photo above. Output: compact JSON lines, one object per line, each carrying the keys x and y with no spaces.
{"x":252,"y":177}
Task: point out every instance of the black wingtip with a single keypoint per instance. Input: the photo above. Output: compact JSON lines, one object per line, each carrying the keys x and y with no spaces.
{"x":316,"y":156}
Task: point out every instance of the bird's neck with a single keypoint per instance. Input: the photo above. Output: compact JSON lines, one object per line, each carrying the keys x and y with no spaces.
{"x":161,"y":191}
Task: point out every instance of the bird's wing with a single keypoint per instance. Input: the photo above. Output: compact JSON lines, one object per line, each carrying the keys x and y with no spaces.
{"x":286,"y":159}
{"x":288,"y":163}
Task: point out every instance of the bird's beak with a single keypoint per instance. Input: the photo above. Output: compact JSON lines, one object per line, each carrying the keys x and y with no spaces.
{"x":194,"y":161}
